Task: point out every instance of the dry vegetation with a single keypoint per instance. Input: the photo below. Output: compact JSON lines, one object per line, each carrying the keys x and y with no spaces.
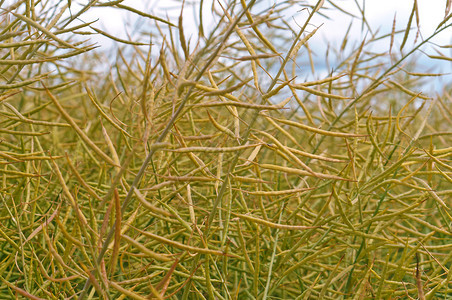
{"x":209,"y":169}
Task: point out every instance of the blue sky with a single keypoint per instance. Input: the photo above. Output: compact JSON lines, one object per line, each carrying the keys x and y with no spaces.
{"x":379,"y":14}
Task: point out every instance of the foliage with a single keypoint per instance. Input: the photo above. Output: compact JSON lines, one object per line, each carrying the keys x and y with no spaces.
{"x":211,"y":170}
